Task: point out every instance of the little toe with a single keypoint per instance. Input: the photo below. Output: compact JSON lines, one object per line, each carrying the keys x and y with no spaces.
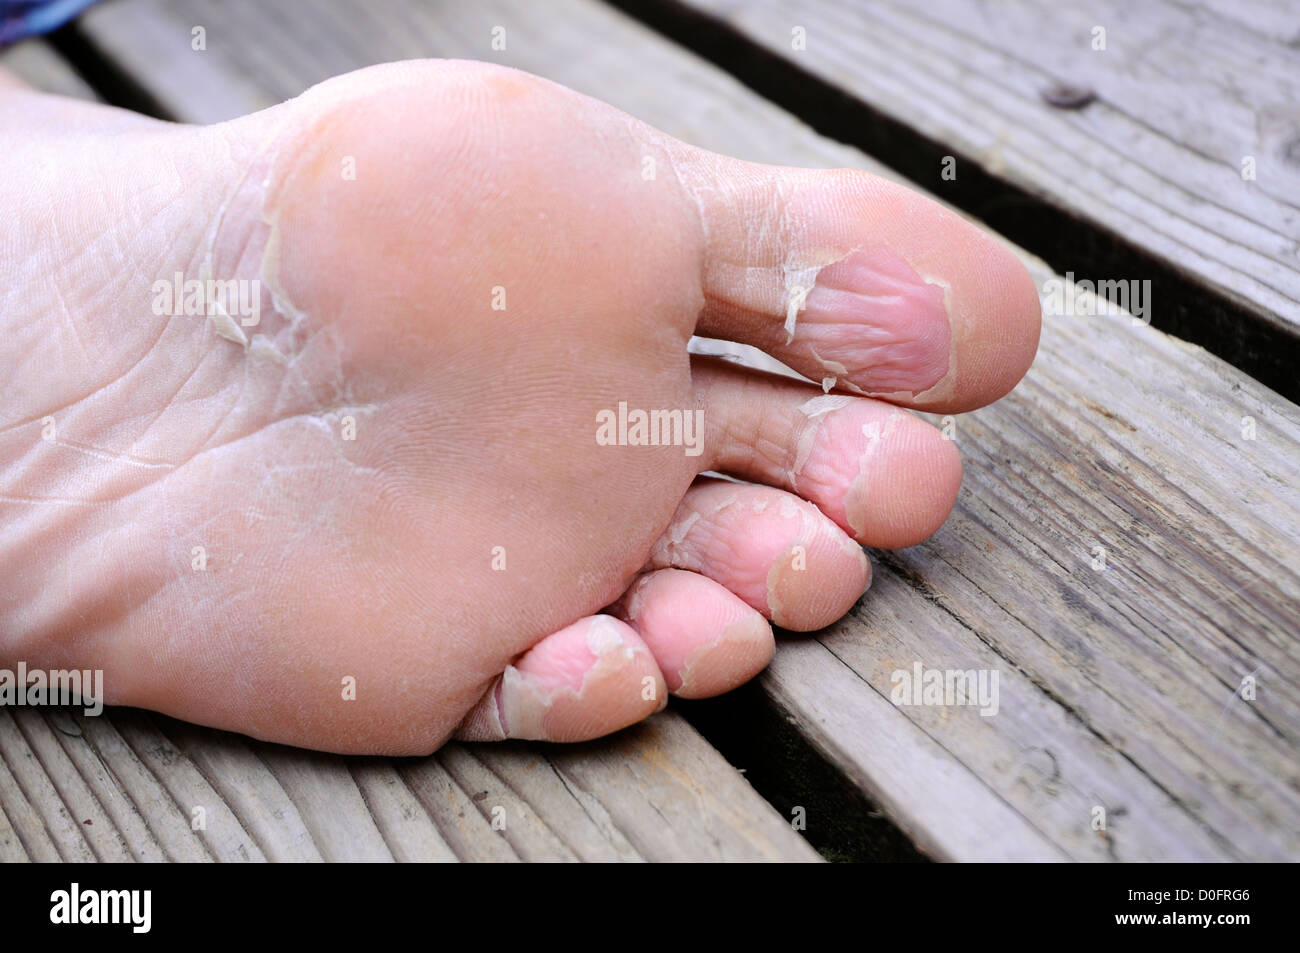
{"x":884,"y":476}
{"x":706,"y":639}
{"x":586,"y":680}
{"x":778,"y":553}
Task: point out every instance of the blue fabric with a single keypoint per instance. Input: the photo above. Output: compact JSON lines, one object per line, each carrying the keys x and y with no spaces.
{"x":21,"y":18}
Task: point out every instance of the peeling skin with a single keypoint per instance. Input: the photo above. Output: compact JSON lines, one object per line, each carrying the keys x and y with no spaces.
{"x":228,"y":327}
{"x":855,"y":500}
{"x":634,"y":601}
{"x":669,"y":549}
{"x":604,"y":637}
{"x":734,"y":643}
{"x":783,"y":570}
{"x":872,"y":316}
{"x":775,"y":577}
{"x":269,"y":272}
{"x":840,"y":372}
{"x":261,"y":252}
{"x":528,"y":705}
{"x":802,"y":450}
{"x":834,"y":367}
{"x":261,"y":347}
{"x":526,"y":708}
{"x":900,"y":354}
{"x":824,"y":405}
{"x":225,"y":326}
{"x":677,"y":531}
{"x":797,"y":285}
{"x":943,"y":388}
{"x":799,"y":280}
{"x":816,"y":407}
{"x":223,"y":323}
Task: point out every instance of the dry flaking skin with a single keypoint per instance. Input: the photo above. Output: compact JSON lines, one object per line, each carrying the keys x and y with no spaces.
{"x":816,"y":410}
{"x":245,"y":243}
{"x":856,"y":502}
{"x":747,"y":640}
{"x":784,"y":572}
{"x":812,"y":409}
{"x":740,"y":646}
{"x":521,"y":706}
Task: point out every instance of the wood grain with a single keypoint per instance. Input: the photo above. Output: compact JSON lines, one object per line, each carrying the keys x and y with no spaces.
{"x":1116,"y":684}
{"x":129,"y":785}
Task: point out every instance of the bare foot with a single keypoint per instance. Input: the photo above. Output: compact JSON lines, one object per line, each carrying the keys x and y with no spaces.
{"x":383,"y":497}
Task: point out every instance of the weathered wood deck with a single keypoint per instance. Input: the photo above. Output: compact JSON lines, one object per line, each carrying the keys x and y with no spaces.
{"x":1118,"y":683}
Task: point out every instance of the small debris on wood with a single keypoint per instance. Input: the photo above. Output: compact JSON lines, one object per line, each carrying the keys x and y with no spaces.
{"x":1067,"y":95}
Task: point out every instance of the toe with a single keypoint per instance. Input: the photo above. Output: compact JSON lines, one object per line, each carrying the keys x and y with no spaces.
{"x":588,"y":679}
{"x":705,"y":639}
{"x":778,"y":553}
{"x":884,"y":476}
{"x":841,"y":274}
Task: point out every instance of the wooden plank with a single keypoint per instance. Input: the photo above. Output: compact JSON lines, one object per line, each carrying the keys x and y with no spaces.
{"x":397,"y":813}
{"x":158,"y":789}
{"x":667,"y":766}
{"x":331,"y":804}
{"x":1150,"y":176}
{"x":139,"y":802}
{"x":1117,"y":684}
{"x":25,"y":835}
{"x":113,"y":825}
{"x":169,"y":775}
{"x":11,"y":845}
{"x":453,"y":810}
{"x":33,"y":787}
{"x":583,"y":821}
{"x":36,"y":63}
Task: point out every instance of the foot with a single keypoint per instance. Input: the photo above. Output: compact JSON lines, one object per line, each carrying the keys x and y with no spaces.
{"x":396,"y":491}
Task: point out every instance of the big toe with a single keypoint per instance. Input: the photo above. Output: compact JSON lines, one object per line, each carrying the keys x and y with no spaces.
{"x":852,"y":279}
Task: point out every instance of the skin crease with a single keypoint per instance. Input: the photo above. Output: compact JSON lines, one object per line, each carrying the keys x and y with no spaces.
{"x":371,"y":558}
